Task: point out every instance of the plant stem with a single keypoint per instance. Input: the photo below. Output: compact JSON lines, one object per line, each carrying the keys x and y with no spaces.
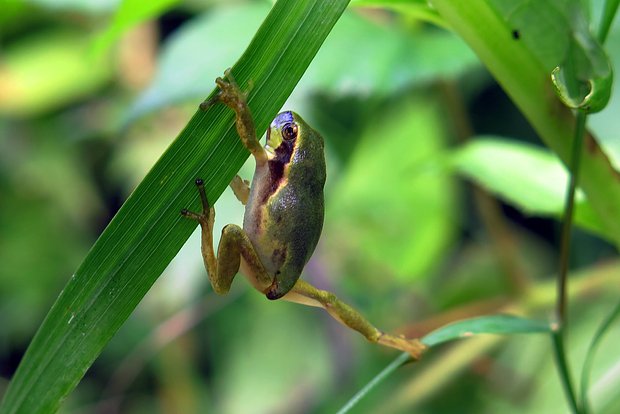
{"x":559,"y":329}
{"x":587,"y":364}
{"x":567,"y":223}
{"x":562,"y":364}
{"x":609,"y":12}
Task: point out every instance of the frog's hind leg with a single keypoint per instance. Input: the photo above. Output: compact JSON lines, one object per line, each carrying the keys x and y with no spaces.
{"x":304,"y":293}
{"x":234,"y":244}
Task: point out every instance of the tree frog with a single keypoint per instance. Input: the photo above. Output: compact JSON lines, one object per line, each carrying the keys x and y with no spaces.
{"x":283,"y":217}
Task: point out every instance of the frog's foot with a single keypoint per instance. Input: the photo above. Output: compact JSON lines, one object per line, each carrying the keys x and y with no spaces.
{"x":207,"y":216}
{"x":229,"y":94}
{"x":414,"y":347}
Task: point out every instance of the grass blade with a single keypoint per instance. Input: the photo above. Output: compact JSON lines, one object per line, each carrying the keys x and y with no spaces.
{"x":148,"y":231}
{"x":587,"y":364}
{"x":494,"y":324}
{"x":398,"y":362}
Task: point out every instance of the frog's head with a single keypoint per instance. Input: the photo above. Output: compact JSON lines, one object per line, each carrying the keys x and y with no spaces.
{"x":282,"y":132}
{"x":287,"y":132}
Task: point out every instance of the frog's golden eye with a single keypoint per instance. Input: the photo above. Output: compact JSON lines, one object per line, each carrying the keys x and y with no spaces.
{"x":289,"y":131}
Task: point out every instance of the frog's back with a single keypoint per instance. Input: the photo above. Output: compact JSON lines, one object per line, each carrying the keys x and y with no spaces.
{"x":284,"y":214}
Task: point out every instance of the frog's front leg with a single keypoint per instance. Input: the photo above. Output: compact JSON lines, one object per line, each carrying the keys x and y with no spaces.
{"x":231,"y":95}
{"x":304,"y":293}
{"x":241,"y":188}
{"x":234,"y":245}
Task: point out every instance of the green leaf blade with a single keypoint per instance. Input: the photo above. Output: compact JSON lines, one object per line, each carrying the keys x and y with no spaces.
{"x":494,"y":324}
{"x":583,"y":79}
{"x":589,"y":361}
{"x":148,"y":231}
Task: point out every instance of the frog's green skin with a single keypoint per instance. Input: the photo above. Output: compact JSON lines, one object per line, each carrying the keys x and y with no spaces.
{"x":283,"y":218}
{"x":284,"y":214}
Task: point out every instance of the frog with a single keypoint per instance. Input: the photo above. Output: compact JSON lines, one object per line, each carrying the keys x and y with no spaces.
{"x":283,"y":219}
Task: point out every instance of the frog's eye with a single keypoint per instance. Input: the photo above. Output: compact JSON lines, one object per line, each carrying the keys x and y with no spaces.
{"x":289,"y":132}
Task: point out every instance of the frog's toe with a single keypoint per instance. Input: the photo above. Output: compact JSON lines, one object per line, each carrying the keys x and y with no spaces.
{"x":207,"y":216}
{"x":203,"y":195}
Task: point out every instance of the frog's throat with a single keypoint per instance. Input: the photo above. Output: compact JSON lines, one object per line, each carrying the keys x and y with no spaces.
{"x":274,"y":139}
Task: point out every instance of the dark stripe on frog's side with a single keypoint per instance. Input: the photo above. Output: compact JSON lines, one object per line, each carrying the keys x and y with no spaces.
{"x":277,"y":166}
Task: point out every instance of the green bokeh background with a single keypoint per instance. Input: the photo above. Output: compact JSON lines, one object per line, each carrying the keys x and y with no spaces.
{"x":90,"y":99}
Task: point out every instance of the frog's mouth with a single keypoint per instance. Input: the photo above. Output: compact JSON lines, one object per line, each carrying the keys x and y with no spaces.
{"x":271,"y":145}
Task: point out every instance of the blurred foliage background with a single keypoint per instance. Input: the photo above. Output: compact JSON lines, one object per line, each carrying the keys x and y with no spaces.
{"x":88,"y":102}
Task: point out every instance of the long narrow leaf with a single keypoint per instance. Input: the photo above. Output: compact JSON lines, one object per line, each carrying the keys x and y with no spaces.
{"x":494,"y":324}
{"x":148,"y":231}
{"x":587,"y":363}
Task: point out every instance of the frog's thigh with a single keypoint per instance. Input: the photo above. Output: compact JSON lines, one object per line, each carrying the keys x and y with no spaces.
{"x":234,"y":245}
{"x":241,"y":189}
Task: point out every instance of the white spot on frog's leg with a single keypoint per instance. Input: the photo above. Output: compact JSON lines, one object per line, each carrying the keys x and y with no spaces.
{"x":467,"y":334}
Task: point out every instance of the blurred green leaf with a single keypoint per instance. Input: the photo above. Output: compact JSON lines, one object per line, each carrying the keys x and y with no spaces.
{"x":415,"y":9}
{"x":182,"y":74}
{"x":394,"y":194}
{"x":45,"y":71}
{"x":583,"y":78}
{"x":606,"y":124}
{"x":589,"y":361}
{"x":36,"y":208}
{"x":609,"y":12}
{"x":148,"y":231}
{"x":518,"y":65}
{"x":529,"y":177}
{"x":557,"y":32}
{"x":494,"y":324}
{"x":130,"y":13}
{"x":399,"y":58}
{"x":87,"y":6}
{"x":239,"y":392}
{"x":12,"y":11}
